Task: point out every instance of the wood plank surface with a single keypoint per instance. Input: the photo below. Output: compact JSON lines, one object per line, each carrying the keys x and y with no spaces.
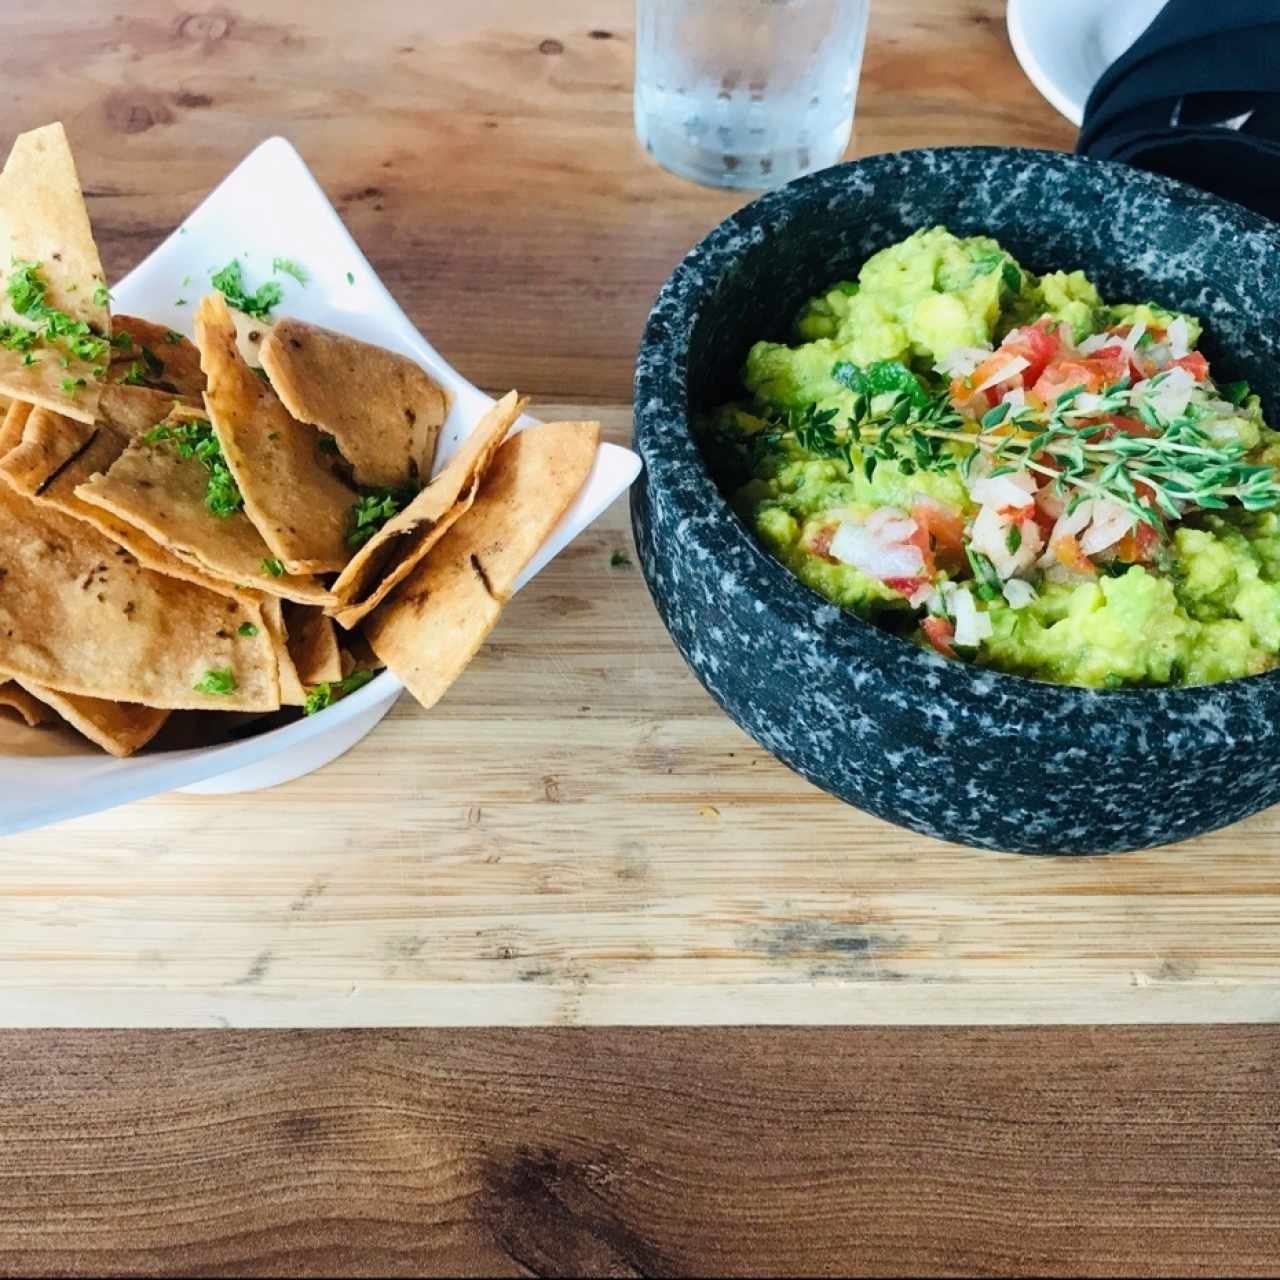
{"x":577,"y":835}
{"x":563,"y":1153}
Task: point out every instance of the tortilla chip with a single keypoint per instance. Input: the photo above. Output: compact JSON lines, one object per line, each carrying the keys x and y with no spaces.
{"x":292,"y":694}
{"x":154,"y":489}
{"x":436,"y":620}
{"x":384,"y":411}
{"x":356,"y":654}
{"x":120,"y":728}
{"x":133,"y":411}
{"x":43,"y":220}
{"x":313,"y":644}
{"x":78,"y":614}
{"x":59,"y":490}
{"x":13,"y":697}
{"x":391,"y":554}
{"x":11,"y":427}
{"x":155,"y":357}
{"x":299,"y":506}
{"x":49,"y":442}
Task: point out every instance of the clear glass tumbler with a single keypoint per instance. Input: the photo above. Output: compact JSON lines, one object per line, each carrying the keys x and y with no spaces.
{"x":747,"y":93}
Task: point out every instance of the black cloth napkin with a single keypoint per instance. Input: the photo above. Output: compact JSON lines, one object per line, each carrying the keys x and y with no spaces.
{"x":1197,"y":97}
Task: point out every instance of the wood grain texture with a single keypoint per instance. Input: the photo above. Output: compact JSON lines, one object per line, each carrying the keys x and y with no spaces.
{"x":577,"y":835}
{"x":564,"y":1153}
{"x":482,"y":154}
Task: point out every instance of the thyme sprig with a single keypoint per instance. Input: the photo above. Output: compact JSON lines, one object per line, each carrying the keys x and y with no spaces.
{"x":1154,"y":477}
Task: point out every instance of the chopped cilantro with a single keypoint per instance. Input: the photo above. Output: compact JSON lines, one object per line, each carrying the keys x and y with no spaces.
{"x":325,"y":695}
{"x":25,"y":288}
{"x":1013,"y":539}
{"x":374,"y":508}
{"x":350,"y":278}
{"x":247,"y":629}
{"x":71,"y":385}
{"x":230,"y":283}
{"x":101,"y":295}
{"x":221,"y":680}
{"x":28,"y":360}
{"x":197,"y":439}
{"x":173,"y":336}
{"x":17,"y":337}
{"x":287,"y":267}
{"x":620,"y":561}
{"x":272,"y":567}
{"x":122,"y":341}
{"x":134,"y":376}
{"x":1236,"y":392}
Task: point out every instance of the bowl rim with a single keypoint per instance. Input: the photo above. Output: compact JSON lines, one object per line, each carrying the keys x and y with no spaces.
{"x":661,"y":390}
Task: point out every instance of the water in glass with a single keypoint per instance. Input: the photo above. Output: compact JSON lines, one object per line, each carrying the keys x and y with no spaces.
{"x":747,"y":93}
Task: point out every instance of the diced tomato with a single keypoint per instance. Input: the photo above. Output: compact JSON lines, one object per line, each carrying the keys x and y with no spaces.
{"x":939,"y":533}
{"x":1129,"y":426}
{"x":940,"y":633}
{"x":1045,"y":520}
{"x":1102,"y":369}
{"x":1068,"y":552}
{"x":1038,"y":344}
{"x":820,"y":543}
{"x":1194,"y":363}
{"x":1139,"y":545}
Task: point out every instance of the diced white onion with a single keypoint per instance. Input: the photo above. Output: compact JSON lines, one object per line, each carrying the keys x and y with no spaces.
{"x":1171,"y":395}
{"x":1086,"y":402}
{"x":1019,"y":593}
{"x":1130,"y":341}
{"x":1095,"y":342}
{"x":1069,"y":523}
{"x":1110,"y":523}
{"x":888,"y":524}
{"x":960,"y":362}
{"x":1010,"y":369}
{"x":1015,"y":398}
{"x":856,"y":545}
{"x":1012,"y":490}
{"x":972,"y":626}
{"x":990,"y":536}
{"x":1178,"y":338}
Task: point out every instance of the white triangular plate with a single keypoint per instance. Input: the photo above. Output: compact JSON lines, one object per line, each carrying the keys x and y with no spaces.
{"x":269,"y":206}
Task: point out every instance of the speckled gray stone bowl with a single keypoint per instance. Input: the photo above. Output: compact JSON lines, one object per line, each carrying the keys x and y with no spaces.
{"x":987,"y":759}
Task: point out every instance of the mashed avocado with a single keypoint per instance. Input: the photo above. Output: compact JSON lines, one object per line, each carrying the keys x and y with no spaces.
{"x":893,"y":456}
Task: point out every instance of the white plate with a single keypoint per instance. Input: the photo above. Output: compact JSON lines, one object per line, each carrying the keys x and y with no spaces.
{"x":1065,"y":47}
{"x":270,"y":205}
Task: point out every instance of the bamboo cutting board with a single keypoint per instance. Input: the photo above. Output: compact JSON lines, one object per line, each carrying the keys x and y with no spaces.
{"x":577,"y":835}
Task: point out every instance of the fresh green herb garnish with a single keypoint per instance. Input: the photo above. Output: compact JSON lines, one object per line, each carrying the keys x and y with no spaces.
{"x":1013,"y":539}
{"x":247,"y":629}
{"x":173,"y":336}
{"x":134,"y":375}
{"x":71,"y":385}
{"x":287,"y":267}
{"x":197,"y":439}
{"x":272,"y":567}
{"x":619,"y":561}
{"x":230,"y":283}
{"x":1236,"y":392}
{"x":325,"y":695}
{"x":122,"y":340}
{"x":179,"y":302}
{"x":26,"y":289}
{"x":101,"y":295}
{"x":220,"y":680}
{"x":373,"y":509}
{"x":350,"y":278}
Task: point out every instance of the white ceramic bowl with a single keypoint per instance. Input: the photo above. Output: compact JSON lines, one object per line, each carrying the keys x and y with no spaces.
{"x":269,"y":206}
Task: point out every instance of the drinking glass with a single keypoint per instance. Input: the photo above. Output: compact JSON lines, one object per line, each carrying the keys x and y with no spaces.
{"x":747,"y":93}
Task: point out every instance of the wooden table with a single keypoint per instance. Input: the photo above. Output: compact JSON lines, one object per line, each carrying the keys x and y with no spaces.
{"x":622,"y":853}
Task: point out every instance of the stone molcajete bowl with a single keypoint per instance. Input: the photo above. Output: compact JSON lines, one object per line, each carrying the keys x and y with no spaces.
{"x":945,"y":748}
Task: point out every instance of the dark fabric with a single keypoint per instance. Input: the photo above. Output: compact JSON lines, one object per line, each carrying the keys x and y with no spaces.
{"x":1173,"y":102}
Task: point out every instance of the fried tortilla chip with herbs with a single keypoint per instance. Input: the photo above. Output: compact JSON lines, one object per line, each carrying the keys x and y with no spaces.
{"x":431,"y":626}
{"x":291,"y":493}
{"x":383,"y":410}
{"x":55,"y":323}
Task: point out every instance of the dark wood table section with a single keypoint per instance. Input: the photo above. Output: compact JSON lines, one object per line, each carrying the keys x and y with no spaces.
{"x":644,"y":1152}
{"x":483,"y":156}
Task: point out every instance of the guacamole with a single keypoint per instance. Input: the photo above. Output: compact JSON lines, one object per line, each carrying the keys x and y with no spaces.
{"x":1013,"y":471}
